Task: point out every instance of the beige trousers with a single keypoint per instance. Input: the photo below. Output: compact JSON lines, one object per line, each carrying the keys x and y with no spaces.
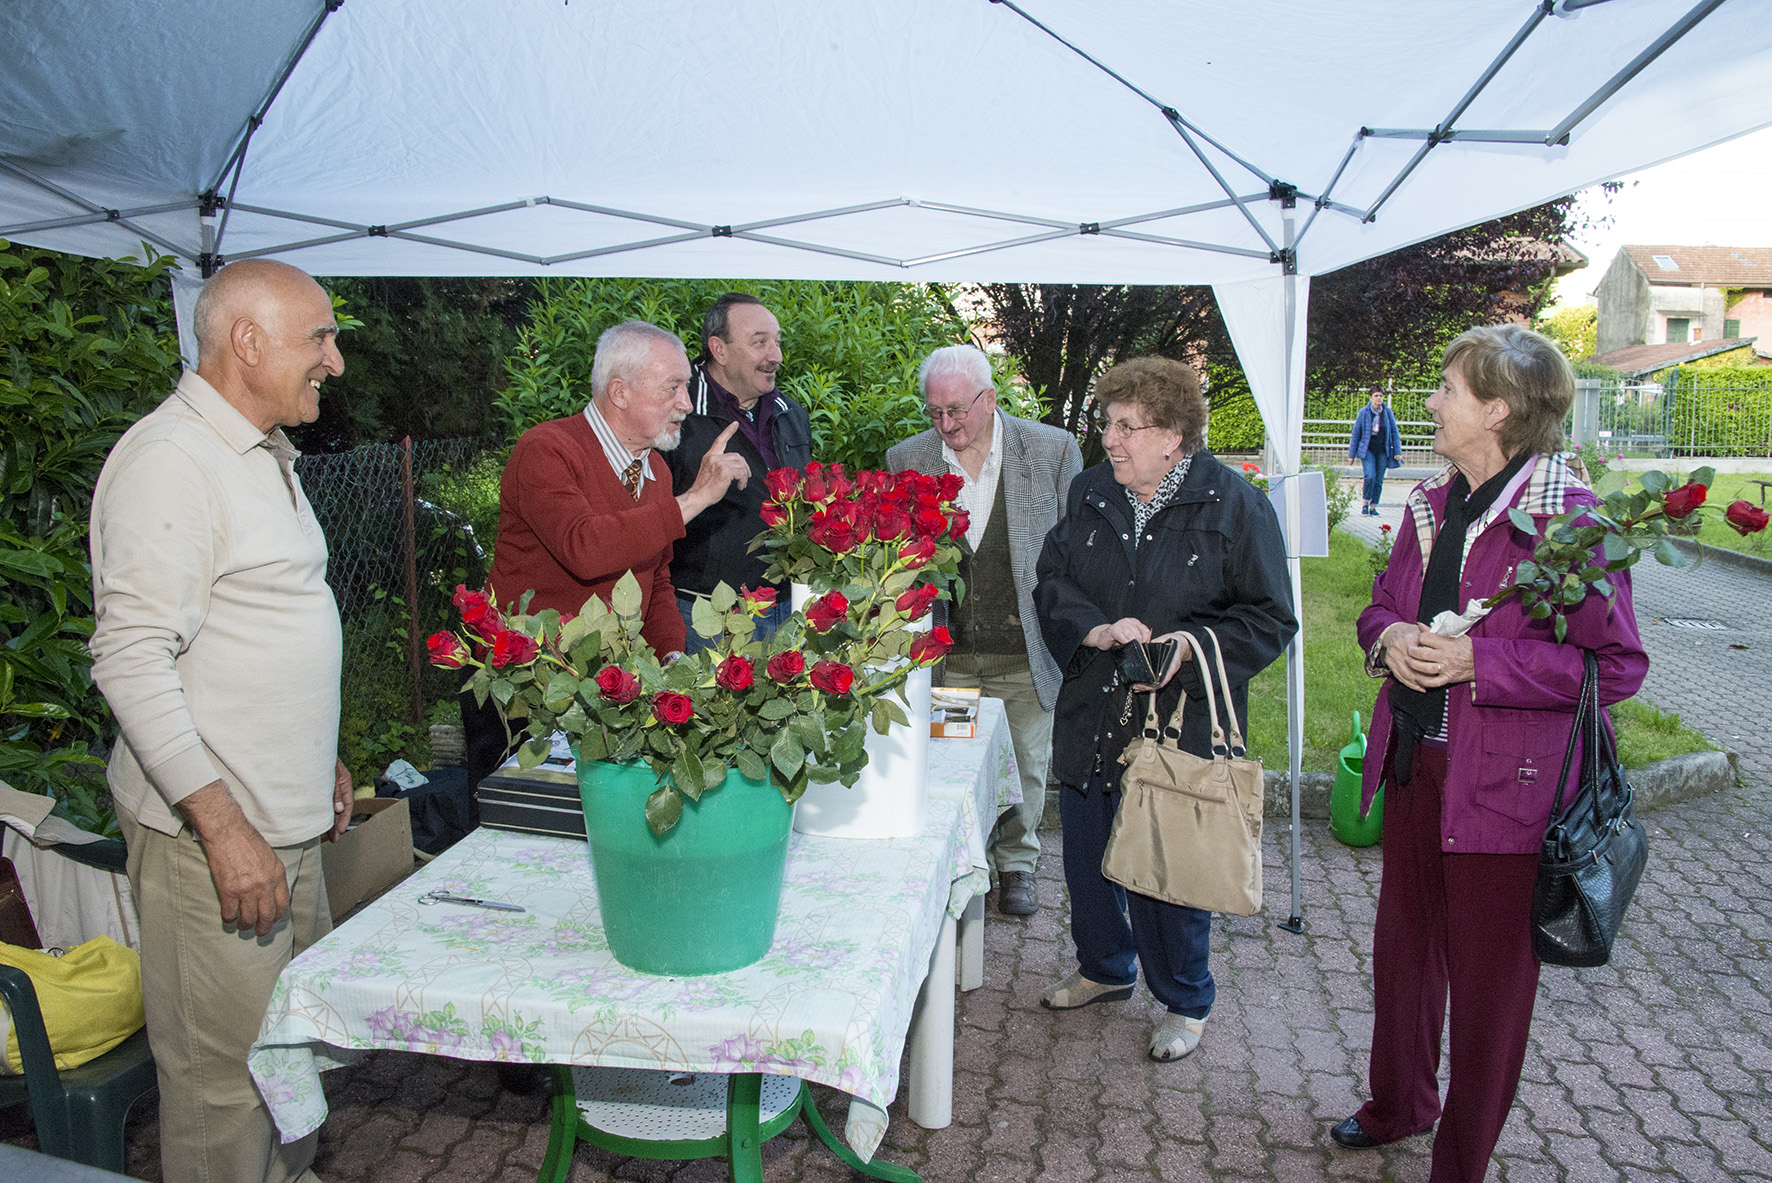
{"x":206,"y":987}
{"x":1015,"y":842}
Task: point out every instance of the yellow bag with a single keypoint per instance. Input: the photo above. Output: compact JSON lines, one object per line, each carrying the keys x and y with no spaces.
{"x":90,"y":996}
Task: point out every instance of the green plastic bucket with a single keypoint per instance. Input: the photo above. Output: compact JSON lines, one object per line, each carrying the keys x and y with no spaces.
{"x":1345,"y":821}
{"x":701,"y":898}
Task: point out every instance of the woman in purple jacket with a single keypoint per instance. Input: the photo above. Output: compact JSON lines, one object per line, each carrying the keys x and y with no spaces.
{"x":1472,"y":732}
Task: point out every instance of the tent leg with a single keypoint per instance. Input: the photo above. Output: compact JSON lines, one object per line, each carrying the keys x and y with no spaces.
{"x":1295,"y":756}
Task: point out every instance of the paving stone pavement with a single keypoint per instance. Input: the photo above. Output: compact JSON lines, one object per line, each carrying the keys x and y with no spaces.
{"x":1658,"y":1066}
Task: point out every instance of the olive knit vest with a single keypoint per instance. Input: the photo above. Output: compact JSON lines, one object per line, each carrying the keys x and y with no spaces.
{"x":989,"y":619}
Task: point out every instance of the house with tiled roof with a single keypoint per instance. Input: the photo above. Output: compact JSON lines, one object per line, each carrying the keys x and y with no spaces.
{"x":1686,"y":295}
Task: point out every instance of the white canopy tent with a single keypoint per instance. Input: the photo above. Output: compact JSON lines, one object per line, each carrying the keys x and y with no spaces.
{"x":1245,"y":145}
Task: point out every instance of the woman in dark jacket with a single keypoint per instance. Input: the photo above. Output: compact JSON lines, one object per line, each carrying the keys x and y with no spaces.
{"x":1161,"y":538}
{"x":1470,"y":733}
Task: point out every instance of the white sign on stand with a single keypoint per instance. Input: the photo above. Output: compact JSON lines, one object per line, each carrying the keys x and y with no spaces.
{"x":1313,"y":512}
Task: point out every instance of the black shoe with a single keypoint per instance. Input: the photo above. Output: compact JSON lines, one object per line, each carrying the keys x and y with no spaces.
{"x":1015,"y":894}
{"x":1348,"y":1133}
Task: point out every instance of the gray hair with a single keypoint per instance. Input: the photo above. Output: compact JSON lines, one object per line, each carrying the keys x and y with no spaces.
{"x":969,"y":361}
{"x":625,"y":348}
{"x":1526,"y":371}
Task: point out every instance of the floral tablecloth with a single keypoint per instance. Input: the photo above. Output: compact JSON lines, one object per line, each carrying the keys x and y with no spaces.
{"x":831,"y":1002}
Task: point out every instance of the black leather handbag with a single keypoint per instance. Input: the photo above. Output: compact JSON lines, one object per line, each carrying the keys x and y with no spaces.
{"x":1593,"y":854}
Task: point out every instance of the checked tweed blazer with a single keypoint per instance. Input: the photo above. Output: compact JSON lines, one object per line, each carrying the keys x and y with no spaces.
{"x":1039,"y":464}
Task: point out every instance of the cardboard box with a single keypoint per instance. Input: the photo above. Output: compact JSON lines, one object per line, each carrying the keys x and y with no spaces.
{"x":953,"y":713}
{"x":370,"y":857}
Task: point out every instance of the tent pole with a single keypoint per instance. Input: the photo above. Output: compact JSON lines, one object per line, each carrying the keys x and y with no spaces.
{"x":1294,"y":570}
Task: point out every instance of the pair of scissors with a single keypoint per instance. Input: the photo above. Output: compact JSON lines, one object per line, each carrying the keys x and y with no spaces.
{"x":443,"y":897}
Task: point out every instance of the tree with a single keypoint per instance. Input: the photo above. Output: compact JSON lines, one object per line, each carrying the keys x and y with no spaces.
{"x":1574,"y":329}
{"x":427,"y":359}
{"x":86,"y":347}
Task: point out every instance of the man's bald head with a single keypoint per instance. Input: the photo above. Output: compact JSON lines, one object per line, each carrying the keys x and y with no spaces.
{"x":266,"y":340}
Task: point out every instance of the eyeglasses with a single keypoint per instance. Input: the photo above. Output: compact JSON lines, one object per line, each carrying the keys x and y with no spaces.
{"x":1105,"y":426}
{"x":938,"y":414}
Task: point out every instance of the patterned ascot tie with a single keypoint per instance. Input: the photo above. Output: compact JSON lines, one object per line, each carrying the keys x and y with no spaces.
{"x":630,"y":477}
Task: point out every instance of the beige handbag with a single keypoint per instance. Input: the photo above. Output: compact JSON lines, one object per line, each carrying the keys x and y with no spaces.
{"x":1189,"y":829}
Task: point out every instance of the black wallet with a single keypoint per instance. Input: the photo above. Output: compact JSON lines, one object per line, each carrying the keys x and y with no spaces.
{"x":1144,"y":664}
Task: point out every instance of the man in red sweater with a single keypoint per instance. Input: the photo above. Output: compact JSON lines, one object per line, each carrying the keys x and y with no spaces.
{"x":584,"y":500}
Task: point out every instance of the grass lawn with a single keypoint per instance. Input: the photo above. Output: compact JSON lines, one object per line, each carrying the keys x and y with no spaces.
{"x":1336,"y":590}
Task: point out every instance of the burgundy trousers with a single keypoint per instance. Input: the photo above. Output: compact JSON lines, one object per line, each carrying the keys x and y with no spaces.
{"x":1447,"y":923}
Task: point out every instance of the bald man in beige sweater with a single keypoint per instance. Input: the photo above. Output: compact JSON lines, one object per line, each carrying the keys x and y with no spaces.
{"x":217,"y":645}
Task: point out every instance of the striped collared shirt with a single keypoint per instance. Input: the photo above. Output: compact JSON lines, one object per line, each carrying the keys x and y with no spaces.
{"x":618,"y":456}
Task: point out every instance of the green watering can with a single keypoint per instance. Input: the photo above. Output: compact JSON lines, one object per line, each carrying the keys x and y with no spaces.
{"x":1345,"y":821}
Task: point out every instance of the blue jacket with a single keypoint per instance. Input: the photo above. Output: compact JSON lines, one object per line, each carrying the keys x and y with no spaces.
{"x":1361,"y":441}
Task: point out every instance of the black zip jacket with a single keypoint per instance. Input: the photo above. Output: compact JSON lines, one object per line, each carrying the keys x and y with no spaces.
{"x":712,"y":548}
{"x":1213,"y":557}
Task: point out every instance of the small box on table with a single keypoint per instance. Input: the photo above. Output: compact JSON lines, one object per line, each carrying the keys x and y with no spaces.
{"x":540,"y":800}
{"x":953,"y":713}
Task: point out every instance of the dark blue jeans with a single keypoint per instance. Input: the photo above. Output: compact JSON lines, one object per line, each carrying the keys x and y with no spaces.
{"x":1170,"y":942}
{"x":1375,"y":467}
{"x":766,"y":623}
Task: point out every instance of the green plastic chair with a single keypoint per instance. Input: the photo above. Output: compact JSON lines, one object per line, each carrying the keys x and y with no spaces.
{"x":79,"y":1113}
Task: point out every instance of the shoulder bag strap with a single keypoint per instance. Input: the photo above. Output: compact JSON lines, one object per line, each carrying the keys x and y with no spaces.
{"x":1172,"y":735}
{"x":1238,"y":748}
{"x":1587,"y":701}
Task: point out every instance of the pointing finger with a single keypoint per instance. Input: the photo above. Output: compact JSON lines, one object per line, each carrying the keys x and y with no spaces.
{"x":720,"y":440}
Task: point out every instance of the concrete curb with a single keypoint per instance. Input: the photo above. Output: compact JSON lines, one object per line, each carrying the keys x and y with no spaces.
{"x":1752,"y":564}
{"x":1665,"y":782}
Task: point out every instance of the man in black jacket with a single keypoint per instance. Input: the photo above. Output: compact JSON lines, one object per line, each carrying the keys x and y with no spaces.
{"x":735,"y":382}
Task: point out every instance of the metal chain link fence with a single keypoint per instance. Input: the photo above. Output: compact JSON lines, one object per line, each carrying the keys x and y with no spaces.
{"x":405,"y":523}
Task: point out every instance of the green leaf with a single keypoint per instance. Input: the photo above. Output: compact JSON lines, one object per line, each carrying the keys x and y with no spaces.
{"x":750,"y":764}
{"x":1614,"y":547}
{"x":1654,"y":481}
{"x":663,"y":809}
{"x":708,"y":621}
{"x":1704,"y":475}
{"x":894,"y":712}
{"x":1561,"y":628}
{"x":724,"y":599}
{"x":1612,"y":482}
{"x":561,"y":688}
{"x":686,"y":772}
{"x":1522,"y":521}
{"x":822,"y":774}
{"x":776,"y":709}
{"x":849,"y":744}
{"x":624,"y":598}
{"x":533,"y":753}
{"x":786,"y":754}
{"x":713,"y":773}
{"x":1666,"y":552}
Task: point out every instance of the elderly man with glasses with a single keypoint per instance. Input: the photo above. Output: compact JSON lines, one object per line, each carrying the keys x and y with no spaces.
{"x":1016,"y":475}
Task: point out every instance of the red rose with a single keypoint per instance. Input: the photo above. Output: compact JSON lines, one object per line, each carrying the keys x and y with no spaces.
{"x":513,"y":648}
{"x":891,"y":523}
{"x":464,"y":598}
{"x":1745,"y":519}
{"x":826,"y":611}
{"x":915,"y":603}
{"x":931,"y":647}
{"x":832,"y":677}
{"x":734,"y":673}
{"x":916,"y":554}
{"x":483,"y":620}
{"x":931,"y":523}
{"x":447,"y":650}
{"x":815,"y":489}
{"x":669,"y":707}
{"x":783,"y":483}
{"x":840,"y":484}
{"x":959,"y":523}
{"x":951,"y":484}
{"x":833,"y":533}
{"x":617,"y":684}
{"x":1682,"y":501}
{"x":756,"y":600}
{"x":785,"y":667}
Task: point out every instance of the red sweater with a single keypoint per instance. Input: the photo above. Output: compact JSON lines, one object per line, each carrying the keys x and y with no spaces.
{"x":568,"y":529}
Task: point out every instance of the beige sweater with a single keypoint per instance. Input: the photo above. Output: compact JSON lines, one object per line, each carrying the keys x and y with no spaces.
{"x":217,"y":640}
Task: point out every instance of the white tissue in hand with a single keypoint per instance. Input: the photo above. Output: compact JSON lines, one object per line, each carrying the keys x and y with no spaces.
{"x":1452,"y":624}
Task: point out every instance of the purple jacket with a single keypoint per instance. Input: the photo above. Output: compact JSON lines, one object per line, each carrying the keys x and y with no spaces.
{"x":1508,"y":729}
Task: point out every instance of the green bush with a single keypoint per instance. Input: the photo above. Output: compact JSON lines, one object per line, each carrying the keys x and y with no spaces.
{"x":1728,"y":411}
{"x":86,"y":347}
{"x":850,"y":351}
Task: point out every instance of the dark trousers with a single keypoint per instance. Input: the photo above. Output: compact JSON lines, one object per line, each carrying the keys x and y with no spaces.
{"x":1374,"y":467}
{"x":1170,"y":942}
{"x":1458,"y":923}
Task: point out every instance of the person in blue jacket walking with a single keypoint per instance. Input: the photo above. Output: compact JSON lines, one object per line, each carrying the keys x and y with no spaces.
{"x":1378,"y":446}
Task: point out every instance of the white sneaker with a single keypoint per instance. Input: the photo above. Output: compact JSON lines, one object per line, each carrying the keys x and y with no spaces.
{"x":1176,"y":1036}
{"x":1078,"y":990}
